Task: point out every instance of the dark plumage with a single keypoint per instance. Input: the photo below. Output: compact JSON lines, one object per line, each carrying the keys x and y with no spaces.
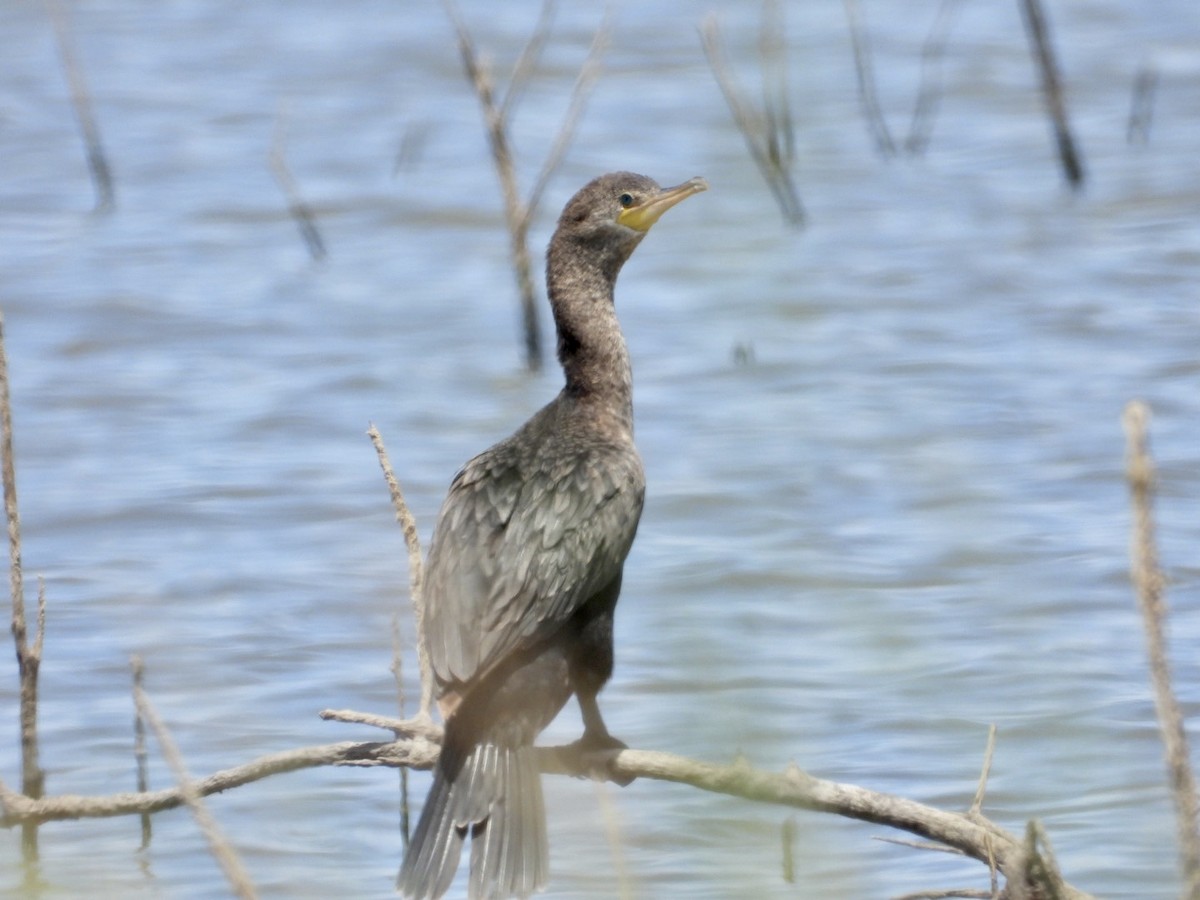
{"x":525,"y":566}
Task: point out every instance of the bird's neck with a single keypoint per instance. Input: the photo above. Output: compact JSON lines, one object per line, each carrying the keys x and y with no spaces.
{"x":591,"y":347}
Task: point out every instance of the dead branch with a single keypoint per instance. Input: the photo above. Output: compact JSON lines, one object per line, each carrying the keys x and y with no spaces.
{"x":222,"y":850}
{"x":139,"y":745}
{"x":412,"y":541}
{"x":1149,"y":583}
{"x":929,"y":93}
{"x":298,"y":208}
{"x":792,"y":788}
{"x":518,"y":214}
{"x":863,"y":70}
{"x":81,"y":100}
{"x":777,"y":105}
{"x":1141,"y":105}
{"x":29,"y":656}
{"x":1043,"y":53}
{"x":767,"y":148}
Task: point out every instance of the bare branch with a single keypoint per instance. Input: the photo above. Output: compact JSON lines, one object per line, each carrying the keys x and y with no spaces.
{"x":588,"y":74}
{"x":81,"y":99}
{"x":527,"y":61}
{"x":792,"y":788}
{"x":222,"y":850}
{"x":876,"y":123}
{"x":1043,"y":52}
{"x":929,"y":93}
{"x":1149,"y":583}
{"x":756,"y":134}
{"x":299,"y":210}
{"x":781,"y":137}
{"x":981,"y":790}
{"x":139,"y":745}
{"x":412,"y":540}
{"x":29,"y":658}
{"x":1141,"y":105}
{"x":514,"y":210}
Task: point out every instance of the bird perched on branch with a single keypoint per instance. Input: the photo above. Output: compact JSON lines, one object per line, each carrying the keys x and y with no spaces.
{"x":525,"y":567}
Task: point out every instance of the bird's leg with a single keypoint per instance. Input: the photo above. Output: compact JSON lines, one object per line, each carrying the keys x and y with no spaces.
{"x":596,"y":739}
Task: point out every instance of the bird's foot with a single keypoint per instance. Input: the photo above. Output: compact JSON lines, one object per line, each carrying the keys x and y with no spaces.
{"x":596,"y":750}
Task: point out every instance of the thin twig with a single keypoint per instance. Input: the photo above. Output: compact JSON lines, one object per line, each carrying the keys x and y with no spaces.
{"x":929,"y":846}
{"x":612,"y":831}
{"x":588,"y":73}
{"x":787,"y":837}
{"x":139,"y":746}
{"x":981,"y":790}
{"x":518,"y":213}
{"x":81,"y":100}
{"x":527,"y":61}
{"x":222,"y":850}
{"x":876,"y":123}
{"x":1043,"y":52}
{"x":929,"y":93}
{"x":1141,"y":106}
{"x":1149,"y":583}
{"x":943,"y":895}
{"x":781,"y":136}
{"x":412,"y":540}
{"x":298,"y":208}
{"x":755,"y":133}
{"x":29,"y":657}
{"x":514,"y":211}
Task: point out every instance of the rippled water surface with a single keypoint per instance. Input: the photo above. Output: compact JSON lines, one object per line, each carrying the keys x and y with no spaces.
{"x":885,"y":503}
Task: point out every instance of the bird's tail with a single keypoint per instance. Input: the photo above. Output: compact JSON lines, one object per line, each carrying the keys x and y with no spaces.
{"x":494,"y":795}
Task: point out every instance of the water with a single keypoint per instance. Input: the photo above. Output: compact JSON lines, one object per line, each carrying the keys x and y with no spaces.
{"x":903,"y":520}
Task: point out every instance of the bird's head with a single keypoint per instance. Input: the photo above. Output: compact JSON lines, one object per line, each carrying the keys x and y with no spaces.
{"x":620,"y":207}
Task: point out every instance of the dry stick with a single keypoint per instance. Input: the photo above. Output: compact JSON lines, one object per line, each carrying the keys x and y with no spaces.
{"x":588,"y":73}
{"x":514,"y":214}
{"x":787,"y":835}
{"x":528,"y":60}
{"x":299,"y":210}
{"x":781,"y":136}
{"x":139,"y":746}
{"x":1043,"y":52}
{"x":412,"y":540}
{"x":792,"y":788}
{"x":81,"y":99}
{"x":518,"y":215}
{"x":876,"y":123}
{"x":985,"y":772}
{"x":1149,"y":583}
{"x":778,"y":177}
{"x":930,"y":91}
{"x":235,"y":873}
{"x":29,"y":657}
{"x":1141,"y":106}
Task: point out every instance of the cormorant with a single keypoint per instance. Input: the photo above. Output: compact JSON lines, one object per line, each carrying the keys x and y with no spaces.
{"x":525,"y":567}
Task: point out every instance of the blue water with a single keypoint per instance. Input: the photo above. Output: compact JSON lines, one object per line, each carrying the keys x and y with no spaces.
{"x":902,"y":520}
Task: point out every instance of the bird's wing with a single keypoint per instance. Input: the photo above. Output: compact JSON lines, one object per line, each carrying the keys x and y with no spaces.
{"x":519,"y":545}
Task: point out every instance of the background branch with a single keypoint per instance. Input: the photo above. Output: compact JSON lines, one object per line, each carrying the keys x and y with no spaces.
{"x":1056,"y":105}
{"x":519,"y":214}
{"x":770,"y":151}
{"x":222,"y":850}
{"x":81,"y":100}
{"x":1149,"y":583}
{"x":29,"y":656}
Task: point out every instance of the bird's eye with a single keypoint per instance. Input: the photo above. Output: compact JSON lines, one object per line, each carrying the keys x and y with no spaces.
{"x":626,"y":200}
